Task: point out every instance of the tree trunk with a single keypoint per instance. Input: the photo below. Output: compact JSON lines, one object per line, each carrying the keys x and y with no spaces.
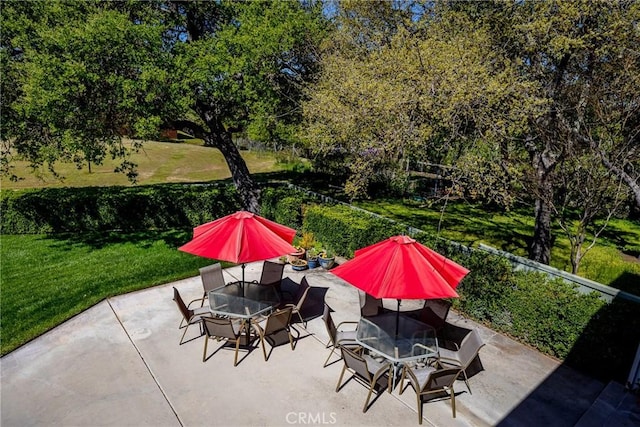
{"x":576,"y":257}
{"x":540,"y":249}
{"x":247,"y":189}
{"x":217,"y":136}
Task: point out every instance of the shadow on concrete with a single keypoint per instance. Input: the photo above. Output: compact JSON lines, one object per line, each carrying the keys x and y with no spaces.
{"x":603,"y":353}
{"x":313,"y":305}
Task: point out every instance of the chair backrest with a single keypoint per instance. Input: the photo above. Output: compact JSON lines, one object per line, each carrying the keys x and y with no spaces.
{"x":271,"y":273}
{"x":369,"y":305}
{"x":219,"y":327}
{"x":301,"y":294}
{"x":434,"y":312}
{"x":356,"y":363}
{"x":439,"y":306}
{"x":212,"y":277}
{"x":469,"y":348}
{"x":278,"y":321}
{"x":332,"y":330}
{"x":440,"y":379}
{"x":186,"y":313}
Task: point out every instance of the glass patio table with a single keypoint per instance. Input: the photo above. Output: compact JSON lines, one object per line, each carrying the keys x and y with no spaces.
{"x":414,"y":341}
{"x":243,"y":300}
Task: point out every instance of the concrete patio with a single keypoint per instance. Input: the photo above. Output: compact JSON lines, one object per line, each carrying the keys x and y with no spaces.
{"x":119,"y":363}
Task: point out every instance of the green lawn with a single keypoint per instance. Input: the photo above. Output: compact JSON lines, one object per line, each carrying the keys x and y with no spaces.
{"x":511,"y":231}
{"x":158,"y":162}
{"x":48,"y":279}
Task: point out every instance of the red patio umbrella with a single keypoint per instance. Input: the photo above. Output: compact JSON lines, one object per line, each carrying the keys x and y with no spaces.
{"x":401,"y":268}
{"x":240,"y":238}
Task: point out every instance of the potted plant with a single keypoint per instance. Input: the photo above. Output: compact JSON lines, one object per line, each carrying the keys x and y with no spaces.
{"x":299,"y":264}
{"x":312,"y":258}
{"x":298,"y":255}
{"x":326,"y":259}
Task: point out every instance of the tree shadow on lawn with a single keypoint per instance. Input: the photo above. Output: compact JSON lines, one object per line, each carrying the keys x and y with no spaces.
{"x":102,"y":239}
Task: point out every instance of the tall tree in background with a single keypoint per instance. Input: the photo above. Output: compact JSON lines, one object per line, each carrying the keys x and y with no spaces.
{"x":408,"y":89}
{"x":506,"y":92}
{"x":85,"y":74}
{"x":584,"y":60}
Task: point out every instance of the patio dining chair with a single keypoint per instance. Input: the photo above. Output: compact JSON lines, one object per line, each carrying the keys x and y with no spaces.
{"x":369,"y":305}
{"x":212,"y":278}
{"x":464,"y":355}
{"x":434,"y":313}
{"x":272,"y":274}
{"x":189,"y":316}
{"x":277,"y":322}
{"x":338,"y":337}
{"x":298,"y":300}
{"x":363,"y":368}
{"x":219,"y":328}
{"x":431,"y":382}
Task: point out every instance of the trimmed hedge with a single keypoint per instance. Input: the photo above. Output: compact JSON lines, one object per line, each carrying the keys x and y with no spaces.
{"x":284,"y":206}
{"x":76,"y":210}
{"x":343,"y":230}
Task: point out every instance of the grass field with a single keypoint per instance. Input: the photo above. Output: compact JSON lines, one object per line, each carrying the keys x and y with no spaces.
{"x":158,"y":162}
{"x":511,"y":231}
{"x":48,"y":279}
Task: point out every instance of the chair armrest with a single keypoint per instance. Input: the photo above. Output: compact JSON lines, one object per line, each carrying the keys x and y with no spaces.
{"x":347,"y":322}
{"x":420,"y":346}
{"x":384,"y":368}
{"x":447,"y":361}
{"x":451,"y":345}
{"x":197,"y":299}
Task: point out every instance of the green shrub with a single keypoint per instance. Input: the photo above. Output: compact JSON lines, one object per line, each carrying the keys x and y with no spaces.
{"x":549,"y":314}
{"x":485,"y":289}
{"x":344,"y":230}
{"x":284,"y":206}
{"x":55,"y":210}
{"x":607,"y":346}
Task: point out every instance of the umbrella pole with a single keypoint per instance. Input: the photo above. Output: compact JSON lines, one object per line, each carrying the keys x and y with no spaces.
{"x":243,"y":280}
{"x":397,"y":318}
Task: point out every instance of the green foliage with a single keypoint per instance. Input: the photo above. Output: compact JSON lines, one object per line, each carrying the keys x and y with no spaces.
{"x":508,"y":94}
{"x":344,"y":230}
{"x":80,"y":210}
{"x":549,"y":314}
{"x":486,"y":287}
{"x":86,"y":74}
{"x":612,"y":335}
{"x":283,"y":206}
